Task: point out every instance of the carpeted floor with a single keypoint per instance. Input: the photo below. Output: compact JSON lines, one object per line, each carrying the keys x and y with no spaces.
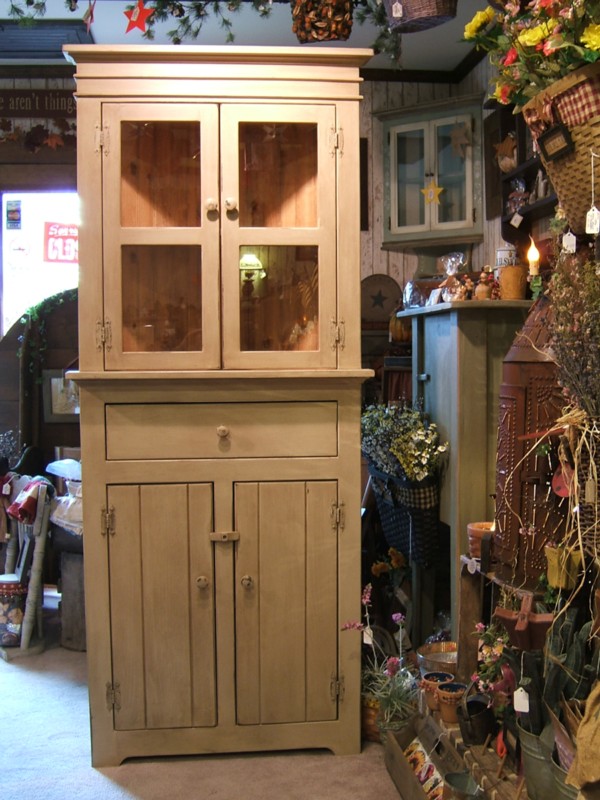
{"x":45,"y":749}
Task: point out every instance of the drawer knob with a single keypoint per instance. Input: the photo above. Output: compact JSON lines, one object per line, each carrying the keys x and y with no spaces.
{"x":211,"y":205}
{"x":202,"y":582}
{"x":222,"y":431}
{"x":247,"y":582}
{"x":231,"y":204}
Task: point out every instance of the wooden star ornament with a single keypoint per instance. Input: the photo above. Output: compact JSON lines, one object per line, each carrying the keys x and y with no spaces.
{"x":137,"y":16}
{"x":432,"y":192}
{"x":460,"y":139}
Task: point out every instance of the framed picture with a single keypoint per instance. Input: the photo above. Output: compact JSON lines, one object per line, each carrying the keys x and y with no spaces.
{"x":555,"y":143}
{"x":60,"y":397}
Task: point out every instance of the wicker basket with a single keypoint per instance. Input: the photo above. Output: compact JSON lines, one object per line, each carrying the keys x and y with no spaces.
{"x":321,"y":20}
{"x":574,"y":102}
{"x":409,"y":514}
{"x":411,"y":16}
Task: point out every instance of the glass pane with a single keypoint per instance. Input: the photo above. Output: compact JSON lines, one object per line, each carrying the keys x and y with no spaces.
{"x":279,"y":298}
{"x":162,"y":298}
{"x":451,"y":175}
{"x":410,"y":178}
{"x":160,"y":169}
{"x":278,"y":175}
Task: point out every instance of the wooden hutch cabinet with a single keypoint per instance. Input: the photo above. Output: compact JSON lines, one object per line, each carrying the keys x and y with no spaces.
{"x":220,"y":396}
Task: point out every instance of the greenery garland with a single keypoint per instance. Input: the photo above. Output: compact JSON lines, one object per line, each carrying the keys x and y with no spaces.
{"x":190,"y":16}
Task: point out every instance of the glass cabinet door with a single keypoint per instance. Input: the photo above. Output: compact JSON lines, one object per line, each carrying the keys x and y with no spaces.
{"x":408,"y":168}
{"x":453,"y":171}
{"x":161,"y":236}
{"x":436,"y":154}
{"x":278,"y":236}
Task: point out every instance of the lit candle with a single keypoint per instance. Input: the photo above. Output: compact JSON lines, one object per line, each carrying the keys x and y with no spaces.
{"x":533,"y":256}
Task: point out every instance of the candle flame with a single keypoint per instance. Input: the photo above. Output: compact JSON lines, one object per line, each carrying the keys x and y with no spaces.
{"x":533,"y":254}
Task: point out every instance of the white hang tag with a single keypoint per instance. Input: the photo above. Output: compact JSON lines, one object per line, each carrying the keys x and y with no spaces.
{"x":516,"y":220}
{"x":472,"y":566}
{"x":521,"y":700}
{"x":368,"y":636}
{"x":592,"y":221}
{"x":590,"y":495}
{"x":6,"y":489}
{"x":569,"y":242}
{"x":397,"y":10}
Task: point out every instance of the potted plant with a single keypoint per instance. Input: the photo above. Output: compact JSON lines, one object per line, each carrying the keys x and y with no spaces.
{"x":389,"y":690}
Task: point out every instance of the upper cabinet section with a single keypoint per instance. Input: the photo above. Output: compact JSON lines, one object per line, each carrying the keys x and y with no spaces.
{"x":432,"y":173}
{"x":217,"y":237}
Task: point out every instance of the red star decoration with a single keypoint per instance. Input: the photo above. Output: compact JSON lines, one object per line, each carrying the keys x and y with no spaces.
{"x":137,"y":16}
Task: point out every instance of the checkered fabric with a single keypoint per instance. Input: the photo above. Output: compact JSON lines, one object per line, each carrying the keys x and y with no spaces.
{"x":580,"y":103}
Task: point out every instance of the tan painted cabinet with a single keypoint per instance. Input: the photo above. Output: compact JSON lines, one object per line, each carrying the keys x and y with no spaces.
{"x":220,"y":397}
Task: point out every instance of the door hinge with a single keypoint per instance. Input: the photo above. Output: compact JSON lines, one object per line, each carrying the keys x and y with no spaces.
{"x":337,"y":516}
{"x":113,"y":696}
{"x":336,"y":141}
{"x":103,"y":334}
{"x":107,"y":521}
{"x":474,"y":215}
{"x":101,"y":139}
{"x":338,"y":334}
{"x":337,"y":687}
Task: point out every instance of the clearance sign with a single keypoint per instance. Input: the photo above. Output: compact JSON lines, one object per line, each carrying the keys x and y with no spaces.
{"x":61,"y":243}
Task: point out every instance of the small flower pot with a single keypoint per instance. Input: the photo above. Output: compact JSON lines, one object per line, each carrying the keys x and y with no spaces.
{"x":430,"y":683}
{"x":449,"y":697}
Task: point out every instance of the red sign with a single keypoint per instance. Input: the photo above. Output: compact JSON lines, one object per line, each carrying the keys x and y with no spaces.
{"x":61,"y":243}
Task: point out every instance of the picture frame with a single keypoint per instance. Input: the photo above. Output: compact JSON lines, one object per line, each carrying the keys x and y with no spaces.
{"x":555,"y":142}
{"x":60,"y":397}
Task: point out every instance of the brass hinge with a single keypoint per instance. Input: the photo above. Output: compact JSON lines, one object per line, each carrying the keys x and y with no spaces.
{"x":107,"y":521}
{"x":113,"y":696}
{"x":101,"y":139}
{"x":103,"y":334}
{"x":336,"y":141}
{"x":337,"y":334}
{"x":336,"y":687}
{"x":337,"y":516}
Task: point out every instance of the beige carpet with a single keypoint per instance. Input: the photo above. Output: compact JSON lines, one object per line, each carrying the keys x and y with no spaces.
{"x":45,"y":749}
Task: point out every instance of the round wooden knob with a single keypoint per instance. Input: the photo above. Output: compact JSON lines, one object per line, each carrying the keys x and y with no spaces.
{"x":247,"y":582}
{"x":222,"y":431}
{"x":202,"y":582}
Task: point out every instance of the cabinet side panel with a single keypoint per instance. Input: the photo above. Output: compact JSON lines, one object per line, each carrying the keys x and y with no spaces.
{"x":166,"y":595}
{"x":247,"y":605}
{"x":321,"y":600}
{"x":202,"y":605}
{"x":282,"y":553}
{"x":126,"y":607}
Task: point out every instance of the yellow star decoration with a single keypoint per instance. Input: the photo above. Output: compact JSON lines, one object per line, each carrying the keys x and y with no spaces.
{"x":432,"y":192}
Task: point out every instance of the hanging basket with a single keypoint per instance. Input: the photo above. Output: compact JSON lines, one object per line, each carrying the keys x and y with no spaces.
{"x":409,"y":514}
{"x":321,"y":20}
{"x":411,"y":16}
{"x":564,"y":119}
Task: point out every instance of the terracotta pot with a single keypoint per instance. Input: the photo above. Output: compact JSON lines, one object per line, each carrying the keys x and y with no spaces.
{"x":430,"y":683}
{"x":475,"y":532}
{"x":369,"y":711}
{"x":449,"y":697}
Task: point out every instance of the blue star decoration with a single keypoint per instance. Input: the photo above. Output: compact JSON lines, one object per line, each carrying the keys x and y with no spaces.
{"x":378,"y":299}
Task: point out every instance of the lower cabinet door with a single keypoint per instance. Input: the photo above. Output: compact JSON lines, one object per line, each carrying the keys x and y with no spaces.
{"x":162,"y":606}
{"x":286,"y":590}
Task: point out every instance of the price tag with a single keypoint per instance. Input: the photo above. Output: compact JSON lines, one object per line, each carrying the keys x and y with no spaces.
{"x":590,"y":493}
{"x":516,"y":220}
{"x":6,"y":489}
{"x":368,"y":636}
{"x":521,"y":700}
{"x":472,"y":566}
{"x":397,"y":10}
{"x":569,"y":242}
{"x":592,"y":221}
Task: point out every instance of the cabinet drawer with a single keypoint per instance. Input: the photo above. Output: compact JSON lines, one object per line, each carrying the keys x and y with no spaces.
{"x":221,"y":430}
